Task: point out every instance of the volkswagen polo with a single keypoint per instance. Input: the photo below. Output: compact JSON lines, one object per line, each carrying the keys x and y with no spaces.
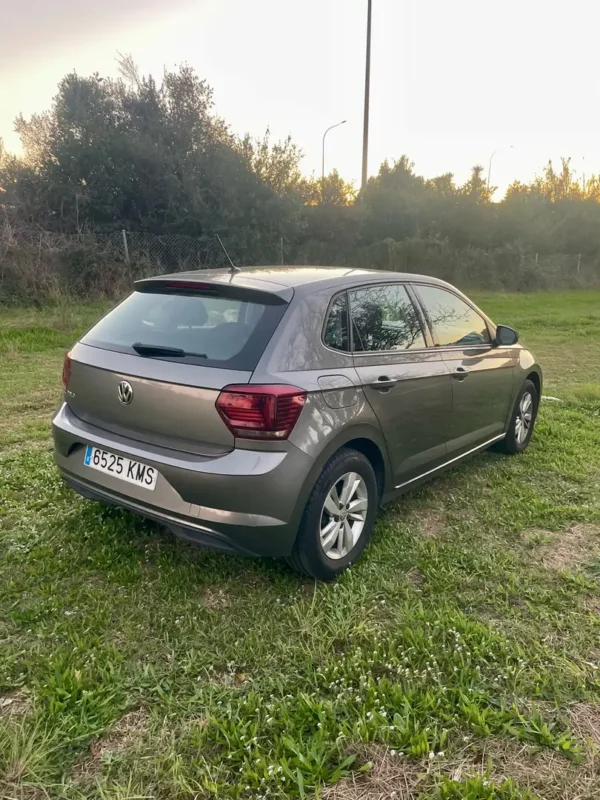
{"x":273,"y":410}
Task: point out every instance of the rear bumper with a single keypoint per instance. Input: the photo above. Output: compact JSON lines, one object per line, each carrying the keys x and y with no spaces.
{"x":247,"y":501}
{"x":183,"y":528}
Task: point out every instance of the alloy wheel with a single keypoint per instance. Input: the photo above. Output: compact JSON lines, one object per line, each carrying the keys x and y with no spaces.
{"x":344,"y":515}
{"x":524,"y":418}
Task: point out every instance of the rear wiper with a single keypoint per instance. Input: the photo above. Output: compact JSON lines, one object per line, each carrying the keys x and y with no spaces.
{"x":160,"y":350}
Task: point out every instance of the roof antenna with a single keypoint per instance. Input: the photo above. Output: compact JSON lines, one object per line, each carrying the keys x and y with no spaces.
{"x":233,"y":269}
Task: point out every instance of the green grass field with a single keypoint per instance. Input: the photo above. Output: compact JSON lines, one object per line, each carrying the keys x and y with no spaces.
{"x":460,"y":658}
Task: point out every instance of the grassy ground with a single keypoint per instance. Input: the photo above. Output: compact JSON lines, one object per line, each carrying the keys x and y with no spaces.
{"x":459,"y":659}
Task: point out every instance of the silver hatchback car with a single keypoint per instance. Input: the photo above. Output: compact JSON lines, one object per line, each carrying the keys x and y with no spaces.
{"x":271,"y":411}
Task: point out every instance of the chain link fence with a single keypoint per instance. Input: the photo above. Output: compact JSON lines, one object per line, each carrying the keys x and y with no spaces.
{"x":38,"y":265}
{"x":172,"y":252}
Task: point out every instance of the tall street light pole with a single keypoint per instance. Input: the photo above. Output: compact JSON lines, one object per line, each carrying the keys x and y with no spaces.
{"x":490,"y":166}
{"x":337,"y":124}
{"x":367,"y":93}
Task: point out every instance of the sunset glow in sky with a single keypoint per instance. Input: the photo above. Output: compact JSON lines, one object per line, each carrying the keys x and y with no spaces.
{"x":451,"y":82}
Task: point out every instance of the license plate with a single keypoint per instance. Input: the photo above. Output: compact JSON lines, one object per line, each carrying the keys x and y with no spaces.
{"x":121,"y":467}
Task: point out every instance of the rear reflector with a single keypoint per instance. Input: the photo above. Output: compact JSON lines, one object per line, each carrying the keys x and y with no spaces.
{"x":261,"y":412}
{"x":66,"y":371}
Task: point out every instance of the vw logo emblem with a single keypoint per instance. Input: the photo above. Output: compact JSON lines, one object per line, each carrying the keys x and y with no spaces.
{"x":125,"y":393}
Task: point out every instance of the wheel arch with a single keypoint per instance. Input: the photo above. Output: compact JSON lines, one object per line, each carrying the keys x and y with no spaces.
{"x":365,"y":439}
{"x":370,"y":451}
{"x":536,"y":379}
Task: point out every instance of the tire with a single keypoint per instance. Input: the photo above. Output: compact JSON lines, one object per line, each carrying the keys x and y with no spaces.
{"x":340,"y":535}
{"x":515,"y":442}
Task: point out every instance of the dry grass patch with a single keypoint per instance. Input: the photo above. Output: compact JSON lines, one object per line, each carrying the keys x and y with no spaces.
{"x":15,"y":704}
{"x":546,"y":773}
{"x":215,"y":599}
{"x":390,"y":777}
{"x":570,"y":549}
{"x":585,"y":723}
{"x":416,"y":578}
{"x":121,"y":736}
{"x":227,"y":677}
{"x":432,"y":523}
{"x":592,"y":604}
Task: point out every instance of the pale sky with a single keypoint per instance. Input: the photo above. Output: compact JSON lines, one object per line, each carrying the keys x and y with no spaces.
{"x":450,"y":83}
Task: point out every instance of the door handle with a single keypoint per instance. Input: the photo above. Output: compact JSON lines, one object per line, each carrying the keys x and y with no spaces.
{"x":460,"y":373}
{"x":383,"y":382}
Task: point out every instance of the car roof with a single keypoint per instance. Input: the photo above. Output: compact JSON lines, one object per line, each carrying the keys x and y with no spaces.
{"x":276,"y":278}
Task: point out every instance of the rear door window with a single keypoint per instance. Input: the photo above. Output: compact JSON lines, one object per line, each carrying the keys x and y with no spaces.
{"x":209,"y":329}
{"x":384,"y":318}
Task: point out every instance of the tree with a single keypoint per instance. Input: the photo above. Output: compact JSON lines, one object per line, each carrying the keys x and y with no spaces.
{"x":276,"y":164}
{"x":137,"y":154}
{"x":334,"y":190}
{"x":476,"y":187}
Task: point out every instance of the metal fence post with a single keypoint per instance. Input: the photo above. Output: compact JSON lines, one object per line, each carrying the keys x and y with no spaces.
{"x":125,"y":247}
{"x":578,"y":264}
{"x":281,"y":250}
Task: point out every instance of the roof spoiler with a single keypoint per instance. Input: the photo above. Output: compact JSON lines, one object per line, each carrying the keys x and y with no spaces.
{"x":213,"y":287}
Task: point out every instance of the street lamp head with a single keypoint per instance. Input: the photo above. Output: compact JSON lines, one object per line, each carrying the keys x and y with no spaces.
{"x":510,"y":147}
{"x":337,"y":124}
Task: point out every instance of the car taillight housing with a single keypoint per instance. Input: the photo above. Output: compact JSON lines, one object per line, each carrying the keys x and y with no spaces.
{"x":66,"y":371}
{"x":261,"y":411}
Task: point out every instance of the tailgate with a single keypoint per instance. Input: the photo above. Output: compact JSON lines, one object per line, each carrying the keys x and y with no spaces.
{"x":171,"y":405}
{"x":152,"y":369}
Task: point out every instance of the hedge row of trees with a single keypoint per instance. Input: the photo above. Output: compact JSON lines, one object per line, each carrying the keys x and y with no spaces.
{"x":146,"y":156}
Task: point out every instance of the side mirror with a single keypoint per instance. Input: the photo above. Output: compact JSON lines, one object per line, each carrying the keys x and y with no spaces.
{"x":506,"y":336}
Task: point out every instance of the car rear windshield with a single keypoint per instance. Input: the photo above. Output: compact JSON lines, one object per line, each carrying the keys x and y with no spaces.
{"x":206,"y":329}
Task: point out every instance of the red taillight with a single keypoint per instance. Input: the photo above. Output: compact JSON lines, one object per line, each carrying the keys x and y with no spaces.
{"x":66,"y":373}
{"x":261,"y":412}
{"x":195,"y":287}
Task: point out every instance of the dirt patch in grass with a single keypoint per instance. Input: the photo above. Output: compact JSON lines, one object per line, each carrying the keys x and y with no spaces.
{"x":121,"y":736}
{"x":391,"y":776}
{"x":215,"y":599}
{"x":585,"y":722}
{"x":593,"y":604}
{"x":15,"y":704}
{"x":227,"y":677}
{"x":415,"y":577}
{"x":431,"y":524}
{"x":569,"y":549}
{"x":547,"y":773}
